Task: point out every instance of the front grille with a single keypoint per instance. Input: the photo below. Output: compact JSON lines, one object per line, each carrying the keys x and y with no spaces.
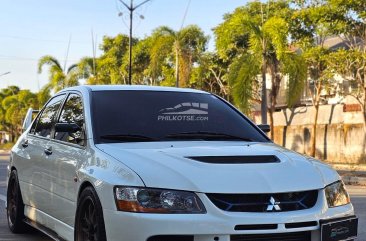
{"x":256,"y":227}
{"x":298,"y":236}
{"x":275,"y":202}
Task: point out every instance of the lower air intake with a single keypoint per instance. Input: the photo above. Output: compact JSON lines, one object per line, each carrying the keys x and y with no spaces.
{"x":171,"y":238}
{"x":298,"y":236}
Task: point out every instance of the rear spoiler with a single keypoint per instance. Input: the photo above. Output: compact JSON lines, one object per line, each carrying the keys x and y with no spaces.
{"x":28,"y":118}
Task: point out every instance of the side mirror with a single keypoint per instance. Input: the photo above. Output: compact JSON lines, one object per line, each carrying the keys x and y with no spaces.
{"x":264,"y":128}
{"x":28,"y":119}
{"x":67,"y":127}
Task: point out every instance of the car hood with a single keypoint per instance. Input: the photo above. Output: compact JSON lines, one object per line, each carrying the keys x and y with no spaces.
{"x":165,"y":165}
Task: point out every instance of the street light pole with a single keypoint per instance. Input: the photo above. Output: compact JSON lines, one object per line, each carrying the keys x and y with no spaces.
{"x":131,"y":8}
{"x":130,"y":46}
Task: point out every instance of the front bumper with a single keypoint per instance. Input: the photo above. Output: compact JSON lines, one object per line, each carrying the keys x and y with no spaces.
{"x":218,"y":225}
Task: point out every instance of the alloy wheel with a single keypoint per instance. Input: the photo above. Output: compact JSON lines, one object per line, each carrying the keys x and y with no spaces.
{"x":12,"y":202}
{"x":88,"y":222}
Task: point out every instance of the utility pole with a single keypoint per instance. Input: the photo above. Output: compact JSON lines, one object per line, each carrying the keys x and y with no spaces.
{"x":131,"y":8}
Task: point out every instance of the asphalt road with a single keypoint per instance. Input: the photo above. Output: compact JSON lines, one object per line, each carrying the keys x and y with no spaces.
{"x":358,"y":196}
{"x":5,"y":234}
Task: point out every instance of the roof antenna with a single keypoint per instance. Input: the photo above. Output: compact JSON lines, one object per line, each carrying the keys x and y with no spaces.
{"x":67,"y":53}
{"x":185,"y":14}
{"x":94,"y":43}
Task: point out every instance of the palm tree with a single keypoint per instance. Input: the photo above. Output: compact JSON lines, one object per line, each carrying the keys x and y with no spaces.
{"x":178,"y":49}
{"x":14,"y":105}
{"x":88,"y":69}
{"x":59,"y":77}
{"x":257,"y":44}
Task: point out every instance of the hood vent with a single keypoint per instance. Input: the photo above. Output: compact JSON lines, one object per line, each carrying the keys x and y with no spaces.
{"x":236,"y":159}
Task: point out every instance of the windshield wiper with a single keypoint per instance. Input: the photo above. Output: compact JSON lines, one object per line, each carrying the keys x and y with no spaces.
{"x":206,"y":135}
{"x":128,"y":138}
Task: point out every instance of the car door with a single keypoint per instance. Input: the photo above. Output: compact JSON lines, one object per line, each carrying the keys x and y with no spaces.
{"x":33,"y":166}
{"x":68,"y":152}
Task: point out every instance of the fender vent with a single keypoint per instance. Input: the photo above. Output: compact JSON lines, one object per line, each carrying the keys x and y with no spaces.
{"x":236,"y":159}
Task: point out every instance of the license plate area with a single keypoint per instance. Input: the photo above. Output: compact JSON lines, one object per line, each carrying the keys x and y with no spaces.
{"x":339,"y":229}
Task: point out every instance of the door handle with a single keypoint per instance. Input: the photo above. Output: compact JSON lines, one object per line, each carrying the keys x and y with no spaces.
{"x":25,"y":144}
{"x":48,"y":151}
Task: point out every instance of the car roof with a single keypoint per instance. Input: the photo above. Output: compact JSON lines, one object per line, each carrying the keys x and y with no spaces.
{"x":130,"y":88}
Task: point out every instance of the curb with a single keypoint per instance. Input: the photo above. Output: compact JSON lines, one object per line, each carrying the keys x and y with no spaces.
{"x":359,"y":181}
{"x":4,"y":152}
{"x":349,"y":167}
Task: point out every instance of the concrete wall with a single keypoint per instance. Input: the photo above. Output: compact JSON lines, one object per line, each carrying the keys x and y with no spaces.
{"x":340,"y":135}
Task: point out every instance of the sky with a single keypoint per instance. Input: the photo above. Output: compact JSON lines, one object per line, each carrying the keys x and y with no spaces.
{"x":30,"y":29}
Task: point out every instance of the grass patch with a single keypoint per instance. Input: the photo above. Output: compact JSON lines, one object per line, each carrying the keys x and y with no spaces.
{"x":6,"y":146}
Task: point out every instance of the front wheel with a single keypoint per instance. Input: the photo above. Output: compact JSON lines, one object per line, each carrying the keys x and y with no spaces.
{"x":15,"y":205}
{"x":89,"y":222}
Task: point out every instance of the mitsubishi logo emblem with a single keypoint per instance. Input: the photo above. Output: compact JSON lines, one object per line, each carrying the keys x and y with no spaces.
{"x":273,"y":205}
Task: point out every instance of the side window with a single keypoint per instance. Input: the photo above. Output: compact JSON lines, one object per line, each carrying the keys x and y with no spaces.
{"x":46,"y":120}
{"x":33,"y":128}
{"x":72,"y":112}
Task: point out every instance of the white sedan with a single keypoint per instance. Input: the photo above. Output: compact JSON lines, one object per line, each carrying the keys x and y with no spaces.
{"x":138,"y":163}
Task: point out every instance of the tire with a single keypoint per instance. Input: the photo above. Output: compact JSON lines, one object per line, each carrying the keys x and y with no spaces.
{"x":15,"y":205}
{"x":89,"y":221}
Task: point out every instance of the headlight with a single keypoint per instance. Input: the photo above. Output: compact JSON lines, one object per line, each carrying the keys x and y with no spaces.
{"x":151,"y":200}
{"x":336,"y":194}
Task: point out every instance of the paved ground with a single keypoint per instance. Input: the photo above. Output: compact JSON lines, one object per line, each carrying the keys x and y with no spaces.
{"x":5,"y":234}
{"x":358,"y":198}
{"x":358,"y":195}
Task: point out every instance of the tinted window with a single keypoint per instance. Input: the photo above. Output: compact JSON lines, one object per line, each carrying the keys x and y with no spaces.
{"x":72,"y":112}
{"x":122,"y":116}
{"x":47,"y":118}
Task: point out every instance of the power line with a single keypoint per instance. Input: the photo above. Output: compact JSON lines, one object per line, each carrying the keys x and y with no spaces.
{"x":4,"y":57}
{"x":40,"y":40}
{"x":119,"y":10}
{"x":19,"y":58}
{"x":142,"y":13}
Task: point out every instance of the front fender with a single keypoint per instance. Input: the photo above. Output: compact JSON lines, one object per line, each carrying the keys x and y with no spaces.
{"x":103,"y":172}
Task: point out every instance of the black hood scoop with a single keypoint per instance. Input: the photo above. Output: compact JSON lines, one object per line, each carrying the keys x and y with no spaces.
{"x":236,"y":159}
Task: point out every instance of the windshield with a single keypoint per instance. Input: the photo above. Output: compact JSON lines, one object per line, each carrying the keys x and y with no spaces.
{"x":133,"y":116}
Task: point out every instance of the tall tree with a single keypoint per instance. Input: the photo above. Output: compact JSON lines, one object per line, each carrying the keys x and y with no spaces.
{"x":140,"y":62}
{"x":178,"y":49}
{"x":351,"y":65}
{"x":314,"y":21}
{"x":110,"y":66}
{"x":59,"y":78}
{"x":350,"y":62}
{"x":255,"y":40}
{"x":209,"y":75}
{"x":14,"y":106}
{"x":88,"y":68}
